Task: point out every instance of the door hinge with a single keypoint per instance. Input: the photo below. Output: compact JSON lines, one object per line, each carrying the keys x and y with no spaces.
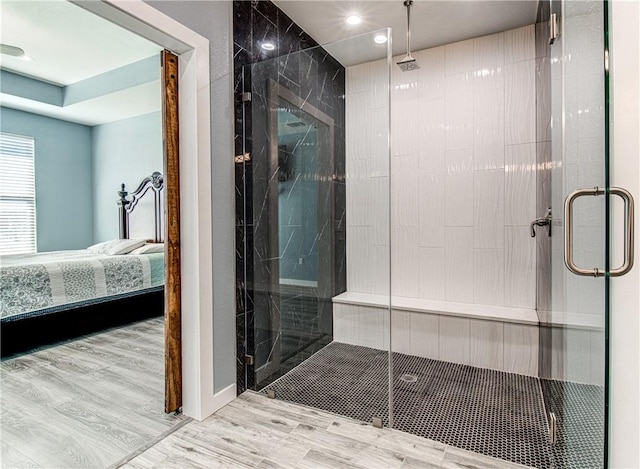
{"x":553,"y":28}
{"x":248,"y":359}
{"x":246,"y":97}
{"x":553,"y":428}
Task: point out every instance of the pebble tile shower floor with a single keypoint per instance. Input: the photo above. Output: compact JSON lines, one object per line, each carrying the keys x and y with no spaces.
{"x":486,"y":411}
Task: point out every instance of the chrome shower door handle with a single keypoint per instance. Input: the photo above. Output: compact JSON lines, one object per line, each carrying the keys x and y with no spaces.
{"x":568,"y":232}
{"x":628,"y":239}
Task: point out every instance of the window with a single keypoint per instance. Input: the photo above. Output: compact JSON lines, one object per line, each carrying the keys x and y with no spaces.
{"x":17,"y":195}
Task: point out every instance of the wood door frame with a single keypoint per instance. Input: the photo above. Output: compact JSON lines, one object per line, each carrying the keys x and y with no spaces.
{"x":172,"y":274}
{"x":199,"y":396}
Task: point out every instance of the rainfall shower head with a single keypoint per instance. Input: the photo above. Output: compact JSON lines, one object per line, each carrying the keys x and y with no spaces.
{"x":408,"y":63}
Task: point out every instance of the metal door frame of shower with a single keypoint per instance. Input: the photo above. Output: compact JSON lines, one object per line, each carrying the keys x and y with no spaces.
{"x":624,"y":347}
{"x":607,"y":231}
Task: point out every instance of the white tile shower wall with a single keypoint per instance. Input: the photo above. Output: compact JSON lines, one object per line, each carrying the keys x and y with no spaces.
{"x":463,"y":173}
{"x":581,"y":155}
{"x":577,"y":354}
{"x":488,"y":344}
{"x":367,"y":196}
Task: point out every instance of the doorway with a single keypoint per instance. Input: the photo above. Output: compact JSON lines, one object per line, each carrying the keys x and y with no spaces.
{"x":86,"y":355}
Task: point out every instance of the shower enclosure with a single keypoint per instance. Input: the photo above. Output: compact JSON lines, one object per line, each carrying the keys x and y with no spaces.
{"x":411,"y":251}
{"x":292,"y":207}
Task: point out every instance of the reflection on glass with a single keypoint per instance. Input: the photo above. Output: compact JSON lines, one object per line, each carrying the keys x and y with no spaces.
{"x":302,"y":149}
{"x":297,"y":197}
{"x":294,"y":227}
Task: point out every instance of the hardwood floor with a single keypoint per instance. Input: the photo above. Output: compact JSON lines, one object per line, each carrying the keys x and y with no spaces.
{"x":257,"y":432}
{"x":88,"y":403}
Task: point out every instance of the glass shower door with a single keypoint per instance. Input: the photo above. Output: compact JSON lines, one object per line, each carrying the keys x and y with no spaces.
{"x":574,"y":324}
{"x":316,"y":247}
{"x":500,"y":348}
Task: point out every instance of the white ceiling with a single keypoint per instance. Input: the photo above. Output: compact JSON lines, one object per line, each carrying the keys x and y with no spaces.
{"x":433,"y":23}
{"x":69,"y":44}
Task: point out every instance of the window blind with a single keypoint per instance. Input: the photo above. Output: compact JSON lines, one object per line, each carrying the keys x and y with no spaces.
{"x":17,"y":195}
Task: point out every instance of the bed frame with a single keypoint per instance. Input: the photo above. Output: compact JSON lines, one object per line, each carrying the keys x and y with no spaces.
{"x":153,"y":183}
{"x":53,"y":325}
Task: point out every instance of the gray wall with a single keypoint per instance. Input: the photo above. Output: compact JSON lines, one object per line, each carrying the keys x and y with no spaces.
{"x":124,"y":151}
{"x":213,"y":21}
{"x":63,"y":178}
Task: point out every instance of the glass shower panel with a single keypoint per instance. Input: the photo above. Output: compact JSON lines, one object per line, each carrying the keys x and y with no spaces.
{"x":317,"y":246}
{"x":294,"y":228}
{"x":573,"y":332}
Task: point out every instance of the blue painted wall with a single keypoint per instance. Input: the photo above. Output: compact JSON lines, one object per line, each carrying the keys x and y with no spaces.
{"x":134,"y":74}
{"x":124,"y":151}
{"x":30,"y":88}
{"x":64,"y":198}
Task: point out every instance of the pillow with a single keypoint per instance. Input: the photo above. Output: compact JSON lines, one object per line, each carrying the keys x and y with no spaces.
{"x":148,"y":248}
{"x":116,"y":247}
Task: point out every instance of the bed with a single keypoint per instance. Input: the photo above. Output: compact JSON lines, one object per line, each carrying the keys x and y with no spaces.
{"x":54,"y":296}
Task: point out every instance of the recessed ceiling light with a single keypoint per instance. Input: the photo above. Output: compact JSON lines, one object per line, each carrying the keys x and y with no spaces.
{"x":268,"y":45}
{"x":354,"y":19}
{"x":380,"y":39}
{"x":14,"y":51}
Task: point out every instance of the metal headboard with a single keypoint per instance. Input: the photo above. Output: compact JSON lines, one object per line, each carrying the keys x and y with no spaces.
{"x":155,"y":183}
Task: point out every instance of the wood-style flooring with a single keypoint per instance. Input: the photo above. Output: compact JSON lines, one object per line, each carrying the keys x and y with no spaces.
{"x":97,"y":403}
{"x":256,"y":432}
{"x":88,"y":403}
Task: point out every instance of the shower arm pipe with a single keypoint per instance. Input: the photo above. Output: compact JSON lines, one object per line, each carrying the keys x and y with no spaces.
{"x":408,"y":4}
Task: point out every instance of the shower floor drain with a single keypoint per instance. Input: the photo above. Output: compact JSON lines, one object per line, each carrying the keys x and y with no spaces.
{"x":407,"y":378}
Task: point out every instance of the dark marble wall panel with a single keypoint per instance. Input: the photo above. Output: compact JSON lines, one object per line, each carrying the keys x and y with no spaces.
{"x":293,"y":320}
